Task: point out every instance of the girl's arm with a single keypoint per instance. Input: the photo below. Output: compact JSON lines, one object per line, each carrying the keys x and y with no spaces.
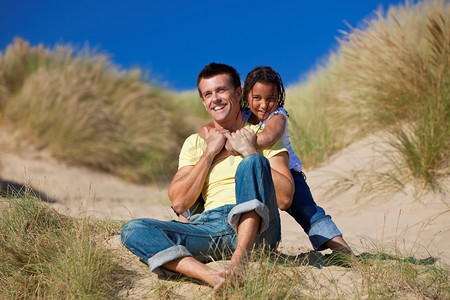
{"x":272,"y":132}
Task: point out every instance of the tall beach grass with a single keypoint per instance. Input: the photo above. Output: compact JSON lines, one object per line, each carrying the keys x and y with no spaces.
{"x":379,"y":275}
{"x":46,"y":255}
{"x":85,"y":111}
{"x":392,"y":74}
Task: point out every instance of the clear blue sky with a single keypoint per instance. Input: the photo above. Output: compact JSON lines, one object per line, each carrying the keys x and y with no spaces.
{"x":172,"y":40}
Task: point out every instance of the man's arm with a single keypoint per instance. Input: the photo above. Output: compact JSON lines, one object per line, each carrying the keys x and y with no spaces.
{"x":188,"y":182}
{"x":282,"y":180}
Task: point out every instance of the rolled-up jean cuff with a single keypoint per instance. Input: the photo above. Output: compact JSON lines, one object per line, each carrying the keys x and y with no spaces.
{"x":235,"y":214}
{"x":162,"y":257}
{"x":321,"y":232}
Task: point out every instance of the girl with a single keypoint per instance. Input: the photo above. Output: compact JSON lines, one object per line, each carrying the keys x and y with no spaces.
{"x":262,"y":103}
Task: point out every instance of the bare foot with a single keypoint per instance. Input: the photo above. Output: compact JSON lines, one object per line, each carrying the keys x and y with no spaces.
{"x":339,"y":246}
{"x":342,"y":258}
{"x":232,"y":275}
{"x":221,"y":280}
{"x":344,"y":252}
{"x":233,"y":271}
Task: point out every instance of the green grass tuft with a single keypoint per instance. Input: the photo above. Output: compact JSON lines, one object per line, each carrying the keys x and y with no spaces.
{"x":46,"y":255}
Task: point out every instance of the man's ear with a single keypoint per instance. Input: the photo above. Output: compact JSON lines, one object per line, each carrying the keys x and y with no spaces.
{"x":238,"y":92}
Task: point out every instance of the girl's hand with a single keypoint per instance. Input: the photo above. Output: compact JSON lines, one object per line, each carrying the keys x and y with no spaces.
{"x":242,"y":141}
{"x":183,"y":219}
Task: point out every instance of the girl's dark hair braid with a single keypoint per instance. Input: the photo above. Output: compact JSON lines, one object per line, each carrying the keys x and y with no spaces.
{"x":263,"y":75}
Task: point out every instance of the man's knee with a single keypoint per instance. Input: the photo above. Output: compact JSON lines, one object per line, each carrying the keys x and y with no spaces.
{"x":133,"y":231}
{"x":255,"y":161}
{"x":127,"y":230}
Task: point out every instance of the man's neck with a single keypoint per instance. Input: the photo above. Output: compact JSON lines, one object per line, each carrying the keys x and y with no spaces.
{"x":233,"y":126}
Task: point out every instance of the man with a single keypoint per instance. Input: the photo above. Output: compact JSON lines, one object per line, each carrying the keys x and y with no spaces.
{"x":240,"y":203}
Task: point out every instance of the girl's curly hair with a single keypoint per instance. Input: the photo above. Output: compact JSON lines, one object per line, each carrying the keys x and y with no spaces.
{"x":263,"y":75}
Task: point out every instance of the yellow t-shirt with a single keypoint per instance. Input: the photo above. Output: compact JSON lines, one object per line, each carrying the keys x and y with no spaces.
{"x":219,"y":187}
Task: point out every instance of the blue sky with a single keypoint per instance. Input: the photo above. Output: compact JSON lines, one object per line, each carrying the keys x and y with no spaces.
{"x":172,"y":40}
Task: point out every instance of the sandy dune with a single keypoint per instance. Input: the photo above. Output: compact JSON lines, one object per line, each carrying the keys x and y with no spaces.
{"x":411,"y":220}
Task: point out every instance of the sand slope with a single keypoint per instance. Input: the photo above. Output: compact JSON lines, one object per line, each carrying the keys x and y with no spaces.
{"x":411,"y":220}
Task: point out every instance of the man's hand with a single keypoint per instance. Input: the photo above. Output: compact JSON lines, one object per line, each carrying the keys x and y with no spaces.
{"x":203,"y":131}
{"x":215,"y":140}
{"x":230,"y":149}
{"x":242,"y":141}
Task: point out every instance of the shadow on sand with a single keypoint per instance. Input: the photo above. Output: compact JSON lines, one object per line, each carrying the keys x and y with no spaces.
{"x":16,"y":190}
{"x":319,"y":260}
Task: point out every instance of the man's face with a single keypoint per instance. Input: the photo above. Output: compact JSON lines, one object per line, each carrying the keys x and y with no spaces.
{"x":220,"y":99}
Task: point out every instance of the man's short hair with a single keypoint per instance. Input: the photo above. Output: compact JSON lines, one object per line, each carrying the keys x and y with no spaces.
{"x":214,"y":69}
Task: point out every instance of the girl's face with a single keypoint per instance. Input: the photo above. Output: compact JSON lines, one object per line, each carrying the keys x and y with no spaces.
{"x":262,"y":99}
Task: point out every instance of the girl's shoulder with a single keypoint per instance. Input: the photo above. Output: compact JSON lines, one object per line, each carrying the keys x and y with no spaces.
{"x":278,"y":111}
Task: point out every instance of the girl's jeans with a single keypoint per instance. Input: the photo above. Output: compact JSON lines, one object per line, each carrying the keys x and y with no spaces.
{"x":210,"y":235}
{"x":319,"y":227}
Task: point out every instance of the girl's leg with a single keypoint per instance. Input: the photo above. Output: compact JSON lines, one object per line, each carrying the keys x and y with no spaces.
{"x":339,"y":245}
{"x":322,"y":231}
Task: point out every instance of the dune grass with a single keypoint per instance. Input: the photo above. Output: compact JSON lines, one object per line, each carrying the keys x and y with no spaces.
{"x":378,"y":275}
{"x":392,"y":74}
{"x":85,"y":111}
{"x":46,"y":255}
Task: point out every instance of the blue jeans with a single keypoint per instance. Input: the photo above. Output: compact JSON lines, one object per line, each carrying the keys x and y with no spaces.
{"x":319,"y":226}
{"x":197,"y":208}
{"x":210,"y":235}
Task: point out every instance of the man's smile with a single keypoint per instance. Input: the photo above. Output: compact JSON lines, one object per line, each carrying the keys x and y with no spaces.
{"x":216,"y":108}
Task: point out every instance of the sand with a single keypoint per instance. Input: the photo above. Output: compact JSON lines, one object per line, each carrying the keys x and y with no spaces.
{"x":412,"y":220}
